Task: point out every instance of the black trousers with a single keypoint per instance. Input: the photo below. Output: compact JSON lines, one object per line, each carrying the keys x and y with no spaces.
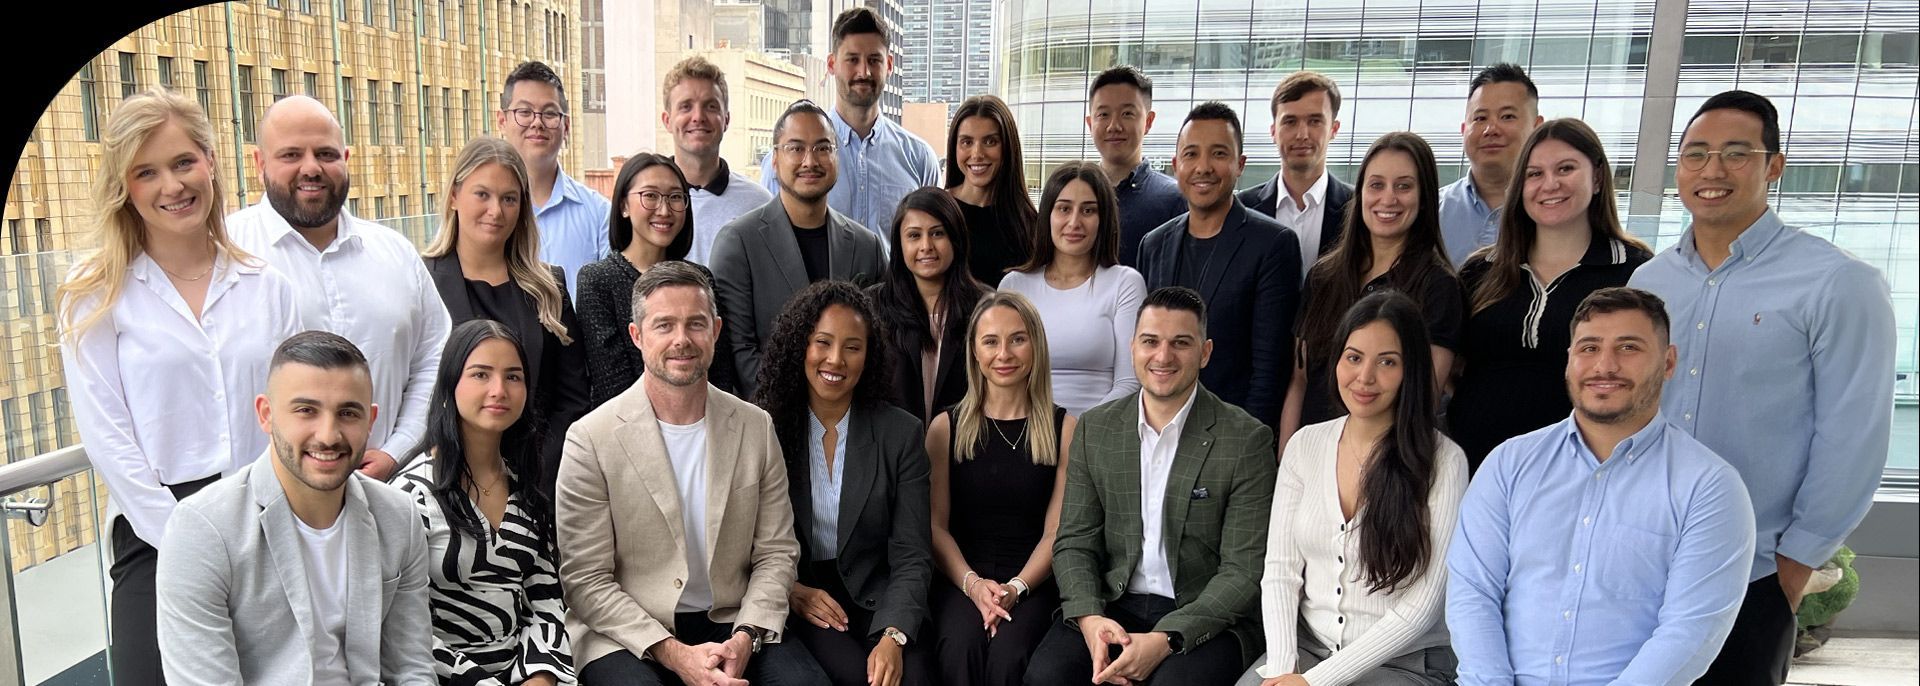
{"x":1761,"y":646}
{"x":967,"y":657}
{"x":134,"y":652}
{"x":1063,"y":657}
{"x":777,"y":664}
{"x":844,"y":654}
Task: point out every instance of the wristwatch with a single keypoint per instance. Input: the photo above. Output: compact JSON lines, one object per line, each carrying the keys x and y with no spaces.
{"x":897,"y":636}
{"x":758,"y":635}
{"x":1174,"y":641}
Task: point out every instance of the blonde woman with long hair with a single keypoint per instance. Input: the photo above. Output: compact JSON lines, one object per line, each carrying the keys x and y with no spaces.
{"x":999,"y":464}
{"x":166,"y":333}
{"x":486,"y":264}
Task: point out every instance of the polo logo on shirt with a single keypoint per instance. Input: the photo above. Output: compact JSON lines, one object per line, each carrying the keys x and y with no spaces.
{"x":1756,"y":319}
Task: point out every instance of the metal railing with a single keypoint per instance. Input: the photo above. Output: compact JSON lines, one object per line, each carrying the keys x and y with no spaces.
{"x":46,"y":630}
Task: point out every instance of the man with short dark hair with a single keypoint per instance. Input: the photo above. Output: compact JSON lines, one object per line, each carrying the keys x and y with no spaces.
{"x":1163,"y":527}
{"x":1788,"y":346}
{"x":696,"y":115}
{"x":658,"y":489}
{"x":1244,"y":264}
{"x":534,"y":117}
{"x":1608,"y":548}
{"x":765,"y":256}
{"x":299,"y":570}
{"x":882,"y":161}
{"x":1303,"y":196}
{"x":1119,"y":115}
{"x":1503,"y":107}
{"x":354,"y":277}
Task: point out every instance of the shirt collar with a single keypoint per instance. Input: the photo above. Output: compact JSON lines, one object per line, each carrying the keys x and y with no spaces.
{"x":1315,"y":192}
{"x":1175,"y":426}
{"x":564,"y":190}
{"x":224,"y":267}
{"x":1751,"y":242}
{"x":844,"y":131}
{"x":1629,"y":450}
{"x":1473,"y":193}
{"x":1138,"y":175}
{"x":819,"y":430}
{"x":1604,"y":250}
{"x":279,"y":229}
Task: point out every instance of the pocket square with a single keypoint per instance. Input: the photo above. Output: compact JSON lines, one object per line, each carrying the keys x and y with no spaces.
{"x":1201,"y":493}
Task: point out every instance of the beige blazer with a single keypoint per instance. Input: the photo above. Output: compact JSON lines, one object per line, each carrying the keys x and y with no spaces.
{"x":623,"y":557}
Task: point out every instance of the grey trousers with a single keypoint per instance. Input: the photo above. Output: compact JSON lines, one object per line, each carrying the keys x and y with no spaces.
{"x":1430,"y":667}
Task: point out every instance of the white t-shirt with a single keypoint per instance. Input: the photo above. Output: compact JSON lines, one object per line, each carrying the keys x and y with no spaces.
{"x":687,"y":450}
{"x":325,"y":552}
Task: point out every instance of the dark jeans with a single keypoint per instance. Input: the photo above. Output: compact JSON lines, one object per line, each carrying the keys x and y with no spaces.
{"x":777,"y":664}
{"x":967,"y":657}
{"x":1761,"y":645}
{"x":1063,"y":657}
{"x":134,"y":651}
{"x":843,"y":655}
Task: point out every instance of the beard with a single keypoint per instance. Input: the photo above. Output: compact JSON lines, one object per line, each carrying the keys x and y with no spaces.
{"x":289,"y":457}
{"x":1643,"y":398}
{"x":657,"y":368}
{"x":857,"y":99}
{"x":283,"y":202}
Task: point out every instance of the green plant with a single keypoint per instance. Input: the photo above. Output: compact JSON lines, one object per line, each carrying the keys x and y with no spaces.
{"x":1818,"y":609}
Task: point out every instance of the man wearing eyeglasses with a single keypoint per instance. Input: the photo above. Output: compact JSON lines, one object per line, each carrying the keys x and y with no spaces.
{"x":1786,"y":348}
{"x":763,"y":257}
{"x":572,"y":217}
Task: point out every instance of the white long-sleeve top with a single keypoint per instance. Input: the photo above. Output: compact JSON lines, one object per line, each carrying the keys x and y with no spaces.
{"x":1313,"y":566}
{"x":1089,"y":332}
{"x":162,"y":398}
{"x":371,"y":287}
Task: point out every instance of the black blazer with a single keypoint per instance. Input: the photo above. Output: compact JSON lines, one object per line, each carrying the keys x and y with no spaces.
{"x":886,"y":533}
{"x":905,"y":340}
{"x":1251,"y":294}
{"x":1265,"y":199}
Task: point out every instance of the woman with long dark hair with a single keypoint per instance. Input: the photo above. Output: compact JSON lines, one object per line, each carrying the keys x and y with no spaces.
{"x":986,"y":172}
{"x":1392,"y":240}
{"x":999,"y":462}
{"x":1379,"y":486}
{"x":1075,"y":280}
{"x":924,"y":300}
{"x":498,"y":613}
{"x":651,"y":222}
{"x":857,"y":475}
{"x":1560,"y":240}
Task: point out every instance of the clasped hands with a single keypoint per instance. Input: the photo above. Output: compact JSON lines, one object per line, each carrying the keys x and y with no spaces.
{"x":1140,"y":653}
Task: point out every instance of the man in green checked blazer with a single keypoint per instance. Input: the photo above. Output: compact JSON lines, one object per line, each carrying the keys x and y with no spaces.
{"x":1163,"y":529}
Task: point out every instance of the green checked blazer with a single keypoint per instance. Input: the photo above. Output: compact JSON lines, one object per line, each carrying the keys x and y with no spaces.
{"x":1221,"y":532}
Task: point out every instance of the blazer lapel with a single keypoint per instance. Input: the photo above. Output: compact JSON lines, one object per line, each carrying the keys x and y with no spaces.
{"x":452,"y":284}
{"x":283,"y":543}
{"x":724,"y":465}
{"x":840,"y":248}
{"x":953,"y":345}
{"x":362,"y":642}
{"x":1196,"y":441}
{"x":1334,"y":204}
{"x":857,"y":474}
{"x":783,"y":248}
{"x":1121,"y":496}
{"x":1230,"y":237}
{"x":646,"y":450}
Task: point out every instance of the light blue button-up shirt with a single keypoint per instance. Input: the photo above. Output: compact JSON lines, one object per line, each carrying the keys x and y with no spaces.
{"x":876,"y":172}
{"x":1786,"y":370}
{"x":824,"y":536}
{"x":1568,"y":571}
{"x":1466,"y":221}
{"x":573,"y":228}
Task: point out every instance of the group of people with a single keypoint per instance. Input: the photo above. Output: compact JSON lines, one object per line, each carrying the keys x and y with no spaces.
{"x":872,"y":423}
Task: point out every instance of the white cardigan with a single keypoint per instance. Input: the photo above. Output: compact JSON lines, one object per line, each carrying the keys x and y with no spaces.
{"x":1313,"y":566}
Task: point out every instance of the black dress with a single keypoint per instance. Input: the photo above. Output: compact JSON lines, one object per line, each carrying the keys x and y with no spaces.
{"x":996,"y":246}
{"x":1441,"y":304}
{"x":606,"y":307}
{"x":1515,"y":351}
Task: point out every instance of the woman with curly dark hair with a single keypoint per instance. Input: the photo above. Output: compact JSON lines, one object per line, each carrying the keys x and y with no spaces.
{"x":857,"y":474}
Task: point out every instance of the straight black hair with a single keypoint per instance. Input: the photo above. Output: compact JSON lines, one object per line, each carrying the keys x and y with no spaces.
{"x":1751,"y":103}
{"x":519,"y":445}
{"x":1123,"y":75}
{"x":1218,"y":111}
{"x":1504,"y":72}
{"x":1393,"y":535}
{"x":620,"y":227}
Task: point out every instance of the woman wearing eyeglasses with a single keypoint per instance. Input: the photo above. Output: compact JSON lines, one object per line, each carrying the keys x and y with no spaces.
{"x":651,"y":223}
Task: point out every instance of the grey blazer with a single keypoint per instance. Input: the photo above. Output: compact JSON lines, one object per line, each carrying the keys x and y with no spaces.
{"x":757,"y":267}
{"x":232,"y":586}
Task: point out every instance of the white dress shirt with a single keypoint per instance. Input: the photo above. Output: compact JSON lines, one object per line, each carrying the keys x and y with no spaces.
{"x":824,"y":535}
{"x":325,"y":551}
{"x":162,"y":398}
{"x":1304,"y":220}
{"x":371,"y":287}
{"x":1157,"y":450}
{"x":687,"y":450}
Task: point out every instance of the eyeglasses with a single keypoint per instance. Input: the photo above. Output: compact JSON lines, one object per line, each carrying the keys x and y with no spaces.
{"x":549,"y":119}
{"x":1733,"y":157}
{"x":798,"y":149}
{"x":651,"y":200}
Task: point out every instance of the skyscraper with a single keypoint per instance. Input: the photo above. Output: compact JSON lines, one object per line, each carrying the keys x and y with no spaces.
{"x":946,"y":50}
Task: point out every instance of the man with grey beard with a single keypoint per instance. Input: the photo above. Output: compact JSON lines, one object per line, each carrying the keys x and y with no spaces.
{"x":355,"y":277}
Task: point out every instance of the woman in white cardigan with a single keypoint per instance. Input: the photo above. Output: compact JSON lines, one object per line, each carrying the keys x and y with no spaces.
{"x":1363,"y":509}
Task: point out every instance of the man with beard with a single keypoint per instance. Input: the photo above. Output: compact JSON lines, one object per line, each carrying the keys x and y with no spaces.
{"x":696,"y":95}
{"x":298,"y":570}
{"x":1610,"y":547}
{"x":670,"y":578}
{"x":883,"y":162}
{"x":765,"y":256}
{"x":353,"y":277}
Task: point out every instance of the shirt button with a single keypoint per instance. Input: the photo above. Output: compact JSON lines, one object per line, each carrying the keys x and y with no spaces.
{"x":1701,"y":325}
{"x":1713,"y":282}
{"x":1559,"y":659}
{"x":1336,"y":590}
{"x":1342,"y":559}
{"x":1576,"y":569}
{"x":1586,"y":521}
{"x":1568,"y":615}
{"x":1688,"y":416}
{"x":1694,"y":371}
{"x":677,"y":583}
{"x":1340,"y":620}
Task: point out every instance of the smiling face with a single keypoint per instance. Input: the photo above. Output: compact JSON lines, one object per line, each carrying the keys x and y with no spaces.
{"x":1302,"y":129}
{"x":807,"y":176}
{"x":1370,"y":370}
{"x":303,"y":163}
{"x":978,"y":147}
{"x":170,"y":183}
{"x":1389,"y":194}
{"x":660,"y":225}
{"x":1075,"y":219}
{"x":696,"y":117}
{"x":836,"y":355}
{"x":925,"y":245}
{"x":1500,"y":116}
{"x":318,"y":421}
{"x":1714,"y":194}
{"x":492,"y":392}
{"x":1003,"y":348}
{"x":1559,"y":184}
{"x":1169,"y":350}
{"x":487,"y":205}
{"x":1208,"y":163}
{"x":676,"y":334}
{"x":1616,"y":367}
{"x":538,"y":143}
{"x":1120,"y":118}
{"x":860,"y":65}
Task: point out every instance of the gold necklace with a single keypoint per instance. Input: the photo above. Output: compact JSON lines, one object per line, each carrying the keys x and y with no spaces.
{"x":202,"y":275}
{"x":487,"y":491}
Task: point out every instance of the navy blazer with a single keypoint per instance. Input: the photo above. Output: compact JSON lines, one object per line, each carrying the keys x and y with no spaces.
{"x":1265,"y":199}
{"x":1252,"y":292}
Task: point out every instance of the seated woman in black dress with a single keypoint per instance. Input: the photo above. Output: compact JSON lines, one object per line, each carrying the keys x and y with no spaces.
{"x":924,"y":301}
{"x":651,"y":222}
{"x":857,"y":475}
{"x":999,"y":463}
{"x":486,"y":264}
{"x":1560,"y":240}
{"x":1392,"y":240}
{"x":498,"y":615}
{"x":986,"y":173}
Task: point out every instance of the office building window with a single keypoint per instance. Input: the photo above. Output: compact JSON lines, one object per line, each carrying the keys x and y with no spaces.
{"x":201,"y":89}
{"x":346,"y":110}
{"x":393,"y":14}
{"x":129,"y":79}
{"x":279,"y":84}
{"x":366,"y":12}
{"x":399,"y":115}
{"x":380,"y":209}
{"x":273,"y":4}
{"x":443,"y":19}
{"x":311,"y":82}
{"x":373,"y":112}
{"x":466,"y":115}
{"x":164,"y":66}
{"x":446,"y":116}
{"x":339,"y":9}
{"x":89,"y":103}
{"x":245,"y":93}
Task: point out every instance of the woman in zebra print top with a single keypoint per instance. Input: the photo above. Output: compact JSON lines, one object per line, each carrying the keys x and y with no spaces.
{"x":498,"y":613}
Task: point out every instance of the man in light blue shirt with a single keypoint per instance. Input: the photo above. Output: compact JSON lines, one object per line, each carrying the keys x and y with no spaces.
{"x":880,"y":162}
{"x":1611,"y":547}
{"x":1503,"y":107}
{"x":1786,"y":358}
{"x":572,"y":217}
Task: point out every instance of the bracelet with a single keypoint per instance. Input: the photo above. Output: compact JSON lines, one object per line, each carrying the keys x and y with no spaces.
{"x":1019,"y":587}
{"x":967,"y":581}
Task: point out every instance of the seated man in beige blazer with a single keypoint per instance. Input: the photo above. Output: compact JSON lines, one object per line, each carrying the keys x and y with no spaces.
{"x":676,"y":536}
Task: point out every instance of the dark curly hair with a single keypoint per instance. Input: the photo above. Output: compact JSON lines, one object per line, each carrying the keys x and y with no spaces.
{"x":783,"y":391}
